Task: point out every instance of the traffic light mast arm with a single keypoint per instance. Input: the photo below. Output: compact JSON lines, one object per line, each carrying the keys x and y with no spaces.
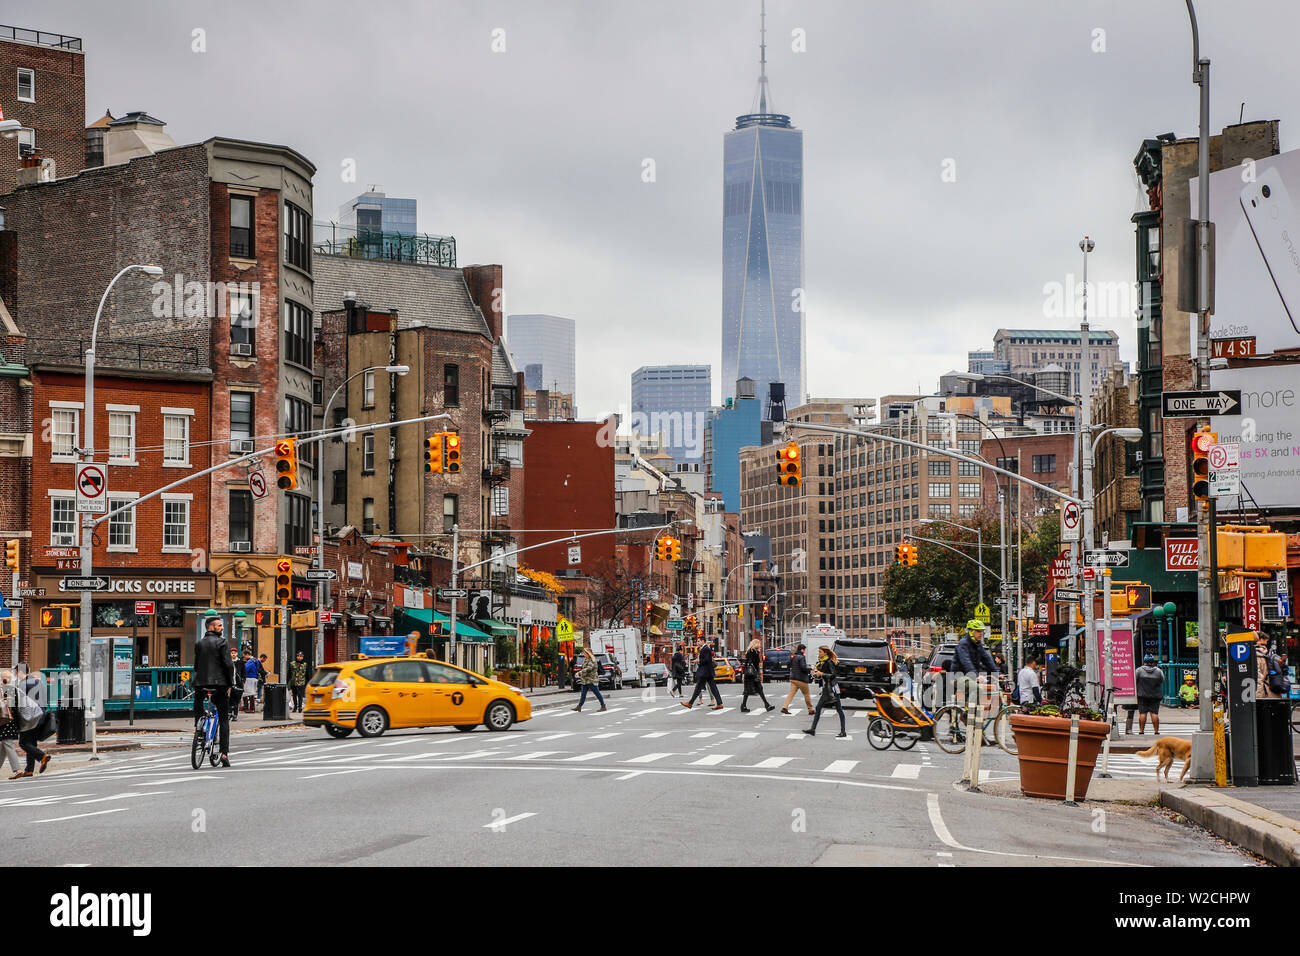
{"x":570,"y":537}
{"x":946,"y":452}
{"x":954,"y":551}
{"x":270,"y":449}
{"x":714,"y":607}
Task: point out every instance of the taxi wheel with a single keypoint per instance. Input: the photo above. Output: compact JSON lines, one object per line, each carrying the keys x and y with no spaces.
{"x":336,"y":731}
{"x":372,"y":722}
{"x":465,"y":728}
{"x":499,"y":716}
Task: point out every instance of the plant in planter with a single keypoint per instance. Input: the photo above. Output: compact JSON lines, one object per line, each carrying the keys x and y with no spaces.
{"x":1043,"y":739}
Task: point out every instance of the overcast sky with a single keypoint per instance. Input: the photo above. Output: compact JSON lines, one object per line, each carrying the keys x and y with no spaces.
{"x":533,"y":157}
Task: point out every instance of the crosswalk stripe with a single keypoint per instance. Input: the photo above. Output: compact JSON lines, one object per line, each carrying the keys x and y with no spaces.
{"x":907,"y":771}
{"x":123,"y":796}
{"x":563,"y":733}
{"x":840,"y":766}
{"x":332,"y":773}
{"x":704,"y":733}
{"x":748,"y":735}
{"x":473,"y":754}
{"x":770,"y":763}
{"x":615,"y":733}
{"x":719,"y":712}
{"x":594,"y":755}
{"x":647,"y":758}
{"x":427,"y":755}
{"x":534,"y":755}
{"x":657,"y":733}
{"x":711,"y":760}
{"x":798,"y":736}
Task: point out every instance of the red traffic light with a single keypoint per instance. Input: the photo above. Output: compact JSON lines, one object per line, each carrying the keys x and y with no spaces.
{"x":1202,"y":441}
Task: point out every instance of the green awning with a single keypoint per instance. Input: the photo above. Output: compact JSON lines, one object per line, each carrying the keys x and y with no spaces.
{"x":496,"y":628}
{"x":406,"y":619}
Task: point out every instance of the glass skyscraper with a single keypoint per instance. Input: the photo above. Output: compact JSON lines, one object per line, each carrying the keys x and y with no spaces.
{"x":763,"y":329}
{"x":375,"y":212}
{"x":548,"y":341}
{"x":673,"y":401}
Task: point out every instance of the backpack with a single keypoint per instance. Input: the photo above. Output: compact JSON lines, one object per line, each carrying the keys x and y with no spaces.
{"x":1015,"y":692}
{"x":1278,"y":681}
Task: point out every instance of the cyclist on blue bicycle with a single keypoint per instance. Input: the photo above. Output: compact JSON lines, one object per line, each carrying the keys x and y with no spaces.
{"x":213,"y":672}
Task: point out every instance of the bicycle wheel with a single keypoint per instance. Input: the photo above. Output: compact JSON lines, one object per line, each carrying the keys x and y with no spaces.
{"x":198,"y":746}
{"x":950,"y":730}
{"x":1006,"y":737}
{"x":988,"y":732}
{"x":214,"y":754}
{"x":880,"y":733}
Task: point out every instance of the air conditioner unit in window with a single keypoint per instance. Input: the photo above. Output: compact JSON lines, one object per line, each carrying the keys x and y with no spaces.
{"x":241,"y":348}
{"x":241,"y":546}
{"x":1268,"y":612}
{"x":241,"y":446}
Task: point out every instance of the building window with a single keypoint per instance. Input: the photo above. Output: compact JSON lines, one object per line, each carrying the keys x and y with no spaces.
{"x":297,"y":334}
{"x":297,"y":524}
{"x":940,"y":469}
{"x":450,"y":510}
{"x":940,"y":489}
{"x":965,"y":511}
{"x":297,"y":421}
{"x":297,"y":237}
{"x":368,"y":390}
{"x":242,"y":310}
{"x":121,"y":438}
{"x":368,"y":454}
{"x":368,"y":516}
{"x":511,"y":450}
{"x":26,"y":85}
{"x":968,"y":469}
{"x":450,"y":386}
{"x":176,"y":440}
{"x":968,"y":489}
{"x":939,"y":510}
{"x":340,"y":494}
{"x":63,"y":521}
{"x":1156,"y":431}
{"x":176,"y":524}
{"x":241,"y":416}
{"x":241,"y":517}
{"x":121,"y":525}
{"x":26,"y":141}
{"x":65,"y":423}
{"x":241,"y":227}
{"x":1044,"y":464}
{"x":317,"y":391}
{"x":500,"y":501}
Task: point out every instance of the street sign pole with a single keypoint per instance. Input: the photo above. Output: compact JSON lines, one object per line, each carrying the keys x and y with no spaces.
{"x":455,"y":557}
{"x":17,"y":617}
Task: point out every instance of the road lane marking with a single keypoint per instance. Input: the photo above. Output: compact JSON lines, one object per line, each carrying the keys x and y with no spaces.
{"x":657,"y":733}
{"x":840,"y":766}
{"x":648,"y":758}
{"x":907,"y":771}
{"x":648,"y":710}
{"x":77,"y":816}
{"x":946,"y":838}
{"x":429,"y":754}
{"x":595,"y":754}
{"x":502,"y":824}
{"x":770,"y":763}
{"x":123,"y":796}
{"x":615,"y":733}
{"x":717,"y":713}
{"x":563,"y":733}
{"x":475,"y":754}
{"x":704,"y":733}
{"x":629,"y":776}
{"x":535,"y":755}
{"x":799,"y":736}
{"x":711,"y":760}
{"x":333,"y":773}
{"x":747,"y":735}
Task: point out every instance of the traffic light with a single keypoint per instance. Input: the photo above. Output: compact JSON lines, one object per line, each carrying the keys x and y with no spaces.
{"x":7,"y":627}
{"x":61,"y":617}
{"x":268,"y":616}
{"x":675,"y":549}
{"x":648,"y":607}
{"x":283,"y":579}
{"x":900,"y":554}
{"x":433,"y":453}
{"x":451,"y":453}
{"x":1138,"y":597}
{"x":11,"y":554}
{"x":663,"y":548}
{"x":910,"y":555}
{"x":286,"y":464}
{"x":787,"y":465}
{"x":1201,"y":442}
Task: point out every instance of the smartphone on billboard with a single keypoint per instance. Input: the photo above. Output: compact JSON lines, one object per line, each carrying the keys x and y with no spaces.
{"x":1276,"y":226}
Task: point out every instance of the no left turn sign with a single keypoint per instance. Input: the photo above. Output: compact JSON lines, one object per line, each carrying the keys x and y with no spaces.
{"x":92,"y":489}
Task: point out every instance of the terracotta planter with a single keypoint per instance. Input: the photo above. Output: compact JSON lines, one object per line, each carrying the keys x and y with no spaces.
{"x":1043,"y":746}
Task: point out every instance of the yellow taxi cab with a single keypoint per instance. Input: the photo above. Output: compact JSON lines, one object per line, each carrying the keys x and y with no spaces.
{"x":722,"y":669}
{"x":375,"y":694}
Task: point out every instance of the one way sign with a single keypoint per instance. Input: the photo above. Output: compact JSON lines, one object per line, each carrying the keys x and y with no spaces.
{"x":1200,"y":404}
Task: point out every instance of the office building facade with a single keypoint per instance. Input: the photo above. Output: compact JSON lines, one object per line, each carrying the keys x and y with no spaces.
{"x":673,"y":401}
{"x":548,"y":341}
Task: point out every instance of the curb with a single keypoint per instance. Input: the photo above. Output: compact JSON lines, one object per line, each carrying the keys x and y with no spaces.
{"x":103,"y":747}
{"x":1264,"y":832}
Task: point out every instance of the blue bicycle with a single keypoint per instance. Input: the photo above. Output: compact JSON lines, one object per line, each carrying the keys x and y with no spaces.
{"x":205,"y":735}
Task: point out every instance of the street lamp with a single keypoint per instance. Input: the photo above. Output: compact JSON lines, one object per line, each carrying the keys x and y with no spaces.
{"x":320,"y":500}
{"x":88,"y":520}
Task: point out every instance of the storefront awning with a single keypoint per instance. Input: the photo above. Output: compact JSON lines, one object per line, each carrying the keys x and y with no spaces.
{"x":423,"y":619}
{"x":358,"y":620}
{"x":496,"y":628}
{"x":463,"y":631}
{"x":385,"y":621}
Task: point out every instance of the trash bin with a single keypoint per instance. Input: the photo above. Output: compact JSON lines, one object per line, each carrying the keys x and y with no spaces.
{"x":71,"y":722}
{"x":1273,"y":740}
{"x":274,"y":702}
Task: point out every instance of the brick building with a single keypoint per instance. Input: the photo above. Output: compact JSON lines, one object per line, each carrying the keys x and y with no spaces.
{"x":570,"y":484}
{"x":1116,"y":495}
{"x":15,"y":458}
{"x":44,"y":88}
{"x":1045,"y":459}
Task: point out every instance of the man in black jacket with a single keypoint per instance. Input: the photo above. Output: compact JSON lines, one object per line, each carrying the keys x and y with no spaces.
{"x":679,"y":672}
{"x":213,"y":672}
{"x":800,"y":676}
{"x":703,"y":676}
{"x":972,"y":657}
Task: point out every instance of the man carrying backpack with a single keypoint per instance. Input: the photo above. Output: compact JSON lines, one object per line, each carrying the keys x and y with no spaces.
{"x":1274,"y":682}
{"x":31,"y":720}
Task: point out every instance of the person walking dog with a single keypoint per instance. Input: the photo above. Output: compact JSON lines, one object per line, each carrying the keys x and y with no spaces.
{"x":589,"y":678}
{"x":800,"y":675}
{"x":825,"y":672}
{"x":754,"y":676}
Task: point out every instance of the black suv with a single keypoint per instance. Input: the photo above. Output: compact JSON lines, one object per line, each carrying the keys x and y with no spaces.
{"x":865,"y":666}
{"x":776,"y":664}
{"x":609,"y":674}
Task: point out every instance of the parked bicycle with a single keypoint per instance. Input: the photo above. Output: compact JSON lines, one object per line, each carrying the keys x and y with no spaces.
{"x":205,"y":735}
{"x":950,"y":730}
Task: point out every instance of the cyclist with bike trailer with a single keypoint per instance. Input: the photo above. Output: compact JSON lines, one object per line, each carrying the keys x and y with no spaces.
{"x":214,"y":673}
{"x":973,"y":658}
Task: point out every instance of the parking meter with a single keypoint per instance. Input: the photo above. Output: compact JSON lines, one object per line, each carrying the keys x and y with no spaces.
{"x":1243,"y":682}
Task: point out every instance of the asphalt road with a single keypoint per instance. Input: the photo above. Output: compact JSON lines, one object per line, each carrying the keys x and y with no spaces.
{"x":646,"y":782}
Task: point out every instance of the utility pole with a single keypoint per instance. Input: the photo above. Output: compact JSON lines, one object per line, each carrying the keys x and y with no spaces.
{"x":1086,"y":245}
{"x":455,"y":556}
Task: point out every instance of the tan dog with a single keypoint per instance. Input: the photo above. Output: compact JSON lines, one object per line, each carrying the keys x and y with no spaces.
{"x":1167,"y":748}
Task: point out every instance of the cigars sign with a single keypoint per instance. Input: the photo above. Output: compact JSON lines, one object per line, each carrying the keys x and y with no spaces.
{"x":1180,"y":554}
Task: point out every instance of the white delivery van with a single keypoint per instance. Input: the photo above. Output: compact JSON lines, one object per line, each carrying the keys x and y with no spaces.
{"x":623,"y":644}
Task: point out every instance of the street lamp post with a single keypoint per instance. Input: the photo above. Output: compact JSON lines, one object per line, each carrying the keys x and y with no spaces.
{"x":320,"y":501}
{"x":87,"y":520}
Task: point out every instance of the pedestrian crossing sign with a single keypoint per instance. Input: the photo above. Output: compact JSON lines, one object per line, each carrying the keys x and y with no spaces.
{"x":982,"y":613}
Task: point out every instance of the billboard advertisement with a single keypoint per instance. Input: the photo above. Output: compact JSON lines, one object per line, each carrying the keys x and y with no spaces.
{"x":1255,"y":208}
{"x":1122,"y":663}
{"x":1268,"y":430}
